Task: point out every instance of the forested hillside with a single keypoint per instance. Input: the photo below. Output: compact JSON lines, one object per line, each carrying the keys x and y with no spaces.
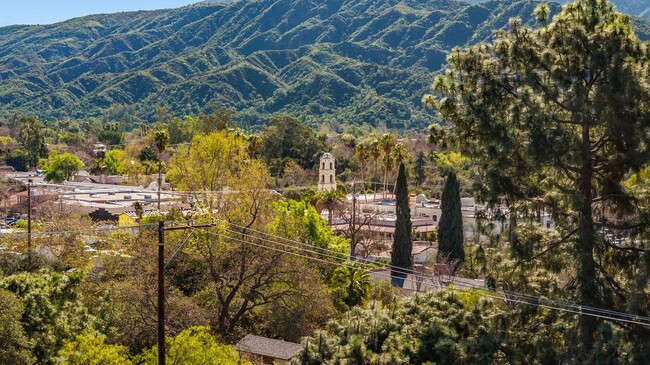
{"x":347,"y":61}
{"x":640,"y":8}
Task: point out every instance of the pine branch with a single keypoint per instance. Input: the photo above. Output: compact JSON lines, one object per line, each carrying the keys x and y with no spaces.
{"x":625,"y":248}
{"x":556,"y":244}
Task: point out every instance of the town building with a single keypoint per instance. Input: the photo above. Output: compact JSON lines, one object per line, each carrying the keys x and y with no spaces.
{"x":100,"y":201}
{"x":270,"y":351}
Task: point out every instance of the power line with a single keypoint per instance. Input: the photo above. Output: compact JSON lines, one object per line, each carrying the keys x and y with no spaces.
{"x":337,"y":256}
{"x":403,"y":271}
{"x":581,"y":310}
{"x":88,"y":230}
{"x":322,"y":253}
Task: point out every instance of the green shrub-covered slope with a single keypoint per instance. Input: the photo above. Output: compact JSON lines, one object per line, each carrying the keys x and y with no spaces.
{"x":350,"y":61}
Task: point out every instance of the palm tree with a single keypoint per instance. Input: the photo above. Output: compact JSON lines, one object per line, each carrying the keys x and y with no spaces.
{"x":362,"y":152}
{"x":386,"y":144}
{"x":355,"y":282}
{"x":98,"y":167}
{"x":330,"y":200}
{"x":375,"y":153}
{"x":161,"y":139}
{"x":161,"y":113}
{"x":254,"y":145}
{"x":400,"y":156}
{"x":139,"y":211}
{"x":143,"y":128}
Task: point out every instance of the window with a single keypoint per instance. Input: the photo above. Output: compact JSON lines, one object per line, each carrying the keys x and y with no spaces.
{"x":323,"y":165}
{"x":322,"y":178}
{"x":330,"y":165}
{"x":435,"y":217}
{"x":332,"y":179}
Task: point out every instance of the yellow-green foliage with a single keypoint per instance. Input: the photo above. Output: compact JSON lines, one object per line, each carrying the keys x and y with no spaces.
{"x":638,"y":178}
{"x":194,"y":346}
{"x":89,"y":348}
{"x":471,"y":298}
{"x":207,"y":162}
{"x":22,"y":224}
{"x":6,"y":140}
{"x":451,"y":160}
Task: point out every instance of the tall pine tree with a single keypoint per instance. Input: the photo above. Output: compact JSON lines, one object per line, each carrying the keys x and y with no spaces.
{"x":450,"y":227}
{"x":402,"y":245}
{"x":560,"y":113}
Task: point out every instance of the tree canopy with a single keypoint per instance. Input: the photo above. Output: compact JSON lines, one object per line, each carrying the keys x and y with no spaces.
{"x":402,"y":245}
{"x":61,"y":167}
{"x":288,"y":138}
{"x":30,"y":136}
{"x":559,"y":114}
{"x":194,"y":346}
{"x":450,"y":228}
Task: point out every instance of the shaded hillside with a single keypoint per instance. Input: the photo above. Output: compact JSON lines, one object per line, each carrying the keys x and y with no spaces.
{"x":351,"y":61}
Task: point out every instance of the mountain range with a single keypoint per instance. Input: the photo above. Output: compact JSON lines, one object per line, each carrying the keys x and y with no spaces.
{"x":324,"y":61}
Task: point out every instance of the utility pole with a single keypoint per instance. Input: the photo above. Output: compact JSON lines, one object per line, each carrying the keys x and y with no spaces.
{"x":161,"y":279}
{"x":29,"y":217}
{"x":353,"y":232}
{"x":161,"y":292}
{"x":159,"y":180}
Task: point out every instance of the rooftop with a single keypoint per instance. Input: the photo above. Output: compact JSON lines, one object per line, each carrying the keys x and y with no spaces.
{"x":268,"y":347}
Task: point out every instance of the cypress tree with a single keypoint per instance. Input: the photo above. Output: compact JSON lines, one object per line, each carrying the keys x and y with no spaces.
{"x":450,"y":227}
{"x":402,"y":245}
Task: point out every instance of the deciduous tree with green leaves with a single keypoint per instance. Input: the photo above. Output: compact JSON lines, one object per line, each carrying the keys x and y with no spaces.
{"x":112,"y":161}
{"x":560,"y":113}
{"x":61,"y":167}
{"x":90,"y":348}
{"x":206,"y":164}
{"x":288,"y":138}
{"x":194,"y":346}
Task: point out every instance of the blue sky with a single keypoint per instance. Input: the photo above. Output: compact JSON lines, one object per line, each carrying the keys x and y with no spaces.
{"x":52,"y":11}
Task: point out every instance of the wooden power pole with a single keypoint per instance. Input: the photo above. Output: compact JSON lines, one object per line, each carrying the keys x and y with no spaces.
{"x":161,"y":280}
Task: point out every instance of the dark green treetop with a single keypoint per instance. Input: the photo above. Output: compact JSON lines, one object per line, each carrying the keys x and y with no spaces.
{"x":402,"y":245}
{"x":450,"y":227}
{"x":28,"y":133}
{"x":559,"y":114}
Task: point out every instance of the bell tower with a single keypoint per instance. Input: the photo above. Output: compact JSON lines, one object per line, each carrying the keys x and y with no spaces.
{"x":326,"y":173}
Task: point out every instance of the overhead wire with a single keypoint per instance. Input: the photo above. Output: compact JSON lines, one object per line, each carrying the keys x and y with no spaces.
{"x":87,"y":230}
{"x":323,"y":253}
{"x":518,"y":298}
{"x":582,"y":310}
{"x":397,"y":269}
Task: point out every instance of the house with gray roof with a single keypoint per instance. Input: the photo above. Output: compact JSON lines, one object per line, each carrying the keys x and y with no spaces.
{"x":270,"y":350}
